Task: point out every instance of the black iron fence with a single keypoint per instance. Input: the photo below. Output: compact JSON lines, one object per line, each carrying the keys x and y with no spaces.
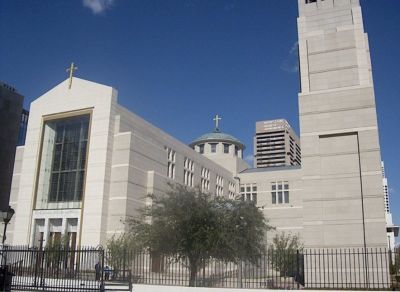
{"x":269,"y":270}
{"x":89,"y":269}
{"x":351,"y":269}
{"x":370,"y":268}
{"x":54,"y":269}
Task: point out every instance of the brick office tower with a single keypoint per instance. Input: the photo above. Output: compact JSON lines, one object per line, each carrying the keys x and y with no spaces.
{"x":342,"y":179}
{"x":10,"y":117}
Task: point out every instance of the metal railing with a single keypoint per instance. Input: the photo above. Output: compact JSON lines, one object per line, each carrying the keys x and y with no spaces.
{"x":269,"y":270}
{"x":348,"y":269}
{"x":54,"y":269}
{"x":89,"y":269}
{"x":343,"y":269}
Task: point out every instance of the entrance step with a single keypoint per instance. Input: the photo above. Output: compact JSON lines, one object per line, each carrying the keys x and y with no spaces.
{"x":116,"y":286}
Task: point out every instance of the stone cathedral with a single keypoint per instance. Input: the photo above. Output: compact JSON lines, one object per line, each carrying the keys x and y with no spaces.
{"x":88,"y":162}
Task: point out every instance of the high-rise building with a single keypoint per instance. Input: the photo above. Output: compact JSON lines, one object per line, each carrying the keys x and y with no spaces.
{"x":10,"y":116}
{"x":341,"y":159}
{"x":23,"y":127}
{"x":385,"y":188}
{"x":391,"y":229}
{"x":276,"y":144}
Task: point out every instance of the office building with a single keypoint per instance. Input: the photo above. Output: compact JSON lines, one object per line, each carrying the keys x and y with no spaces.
{"x":276,"y":144}
{"x":10,"y":115}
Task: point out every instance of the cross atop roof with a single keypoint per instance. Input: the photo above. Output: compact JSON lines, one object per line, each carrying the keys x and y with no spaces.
{"x":71,"y":70}
{"x":217,"y":119}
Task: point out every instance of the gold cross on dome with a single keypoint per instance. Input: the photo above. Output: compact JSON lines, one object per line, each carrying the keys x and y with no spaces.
{"x":71,"y":70}
{"x":217,"y":119}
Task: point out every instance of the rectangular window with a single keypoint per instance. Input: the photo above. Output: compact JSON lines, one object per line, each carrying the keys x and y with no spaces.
{"x":201,"y":149}
{"x":63,"y":161}
{"x":205,"y":179}
{"x":280,"y":192}
{"x":188,"y":172}
{"x":219,"y":187}
{"x":213,"y":147}
{"x":286,"y":197}
{"x":171,"y":156}
{"x":232,"y":191}
{"x":248,"y":192}
{"x":226,"y":148}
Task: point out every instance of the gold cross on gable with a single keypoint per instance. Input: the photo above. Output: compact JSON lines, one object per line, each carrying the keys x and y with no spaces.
{"x":71,"y":70}
{"x":217,"y":119}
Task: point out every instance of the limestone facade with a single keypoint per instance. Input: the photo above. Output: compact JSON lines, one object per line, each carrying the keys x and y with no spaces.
{"x":128,"y":158}
{"x":342,"y":179}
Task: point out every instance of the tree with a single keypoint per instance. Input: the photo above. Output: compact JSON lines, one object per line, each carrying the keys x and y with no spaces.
{"x":283,"y":253}
{"x":55,"y":251}
{"x":395,"y":262}
{"x":117,"y":248}
{"x":187,"y":224}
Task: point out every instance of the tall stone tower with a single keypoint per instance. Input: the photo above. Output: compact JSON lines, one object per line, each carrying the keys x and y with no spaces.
{"x":342,"y":179}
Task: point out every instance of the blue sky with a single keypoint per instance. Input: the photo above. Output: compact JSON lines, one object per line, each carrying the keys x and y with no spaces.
{"x":178,"y":63}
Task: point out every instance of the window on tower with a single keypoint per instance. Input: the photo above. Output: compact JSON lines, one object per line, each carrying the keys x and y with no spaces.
{"x":226,"y":148}
{"x":213,"y":147}
{"x":201,"y":148}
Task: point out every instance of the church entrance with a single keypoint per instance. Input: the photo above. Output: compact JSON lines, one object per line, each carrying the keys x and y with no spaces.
{"x":54,"y":232}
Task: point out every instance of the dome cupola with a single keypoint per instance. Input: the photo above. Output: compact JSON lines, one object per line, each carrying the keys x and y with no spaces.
{"x":217,"y":142}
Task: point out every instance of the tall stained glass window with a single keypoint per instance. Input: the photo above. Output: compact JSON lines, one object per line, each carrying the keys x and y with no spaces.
{"x":63,"y":163}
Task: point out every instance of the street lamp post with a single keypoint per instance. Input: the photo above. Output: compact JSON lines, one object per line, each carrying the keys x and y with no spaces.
{"x":6,"y":216}
{"x":6,"y":278}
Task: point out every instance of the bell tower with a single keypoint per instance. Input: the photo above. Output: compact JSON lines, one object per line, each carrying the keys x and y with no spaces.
{"x":342,"y":185}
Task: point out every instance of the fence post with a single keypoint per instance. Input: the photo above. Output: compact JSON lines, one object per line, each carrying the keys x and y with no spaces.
{"x":297,"y":269}
{"x":124,"y":263}
{"x":240,"y":284}
{"x":102,"y":270}
{"x":204,"y":272}
{"x":42,"y":267}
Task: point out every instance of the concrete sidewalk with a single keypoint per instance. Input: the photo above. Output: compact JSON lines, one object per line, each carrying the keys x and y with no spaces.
{"x":158,"y":288}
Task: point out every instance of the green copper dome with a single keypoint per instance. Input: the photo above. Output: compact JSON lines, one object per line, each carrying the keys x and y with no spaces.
{"x":217,"y":136}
